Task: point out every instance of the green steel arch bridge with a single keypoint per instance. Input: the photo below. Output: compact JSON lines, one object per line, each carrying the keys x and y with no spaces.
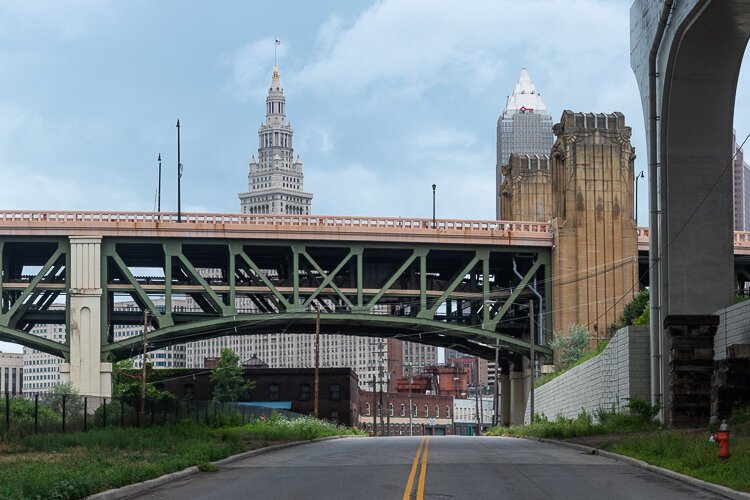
{"x":459,"y":284}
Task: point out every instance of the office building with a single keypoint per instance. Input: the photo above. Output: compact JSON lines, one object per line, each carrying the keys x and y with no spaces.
{"x":524,"y":128}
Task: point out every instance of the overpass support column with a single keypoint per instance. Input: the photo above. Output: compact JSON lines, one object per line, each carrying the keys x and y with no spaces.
{"x":504,"y":399}
{"x":84,"y":369}
{"x":517,"y":398}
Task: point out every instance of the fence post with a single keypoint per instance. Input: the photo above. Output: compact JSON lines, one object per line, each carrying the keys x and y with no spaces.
{"x":196,"y":412}
{"x":163,"y":412}
{"x":36,"y":413}
{"x":85,"y":413}
{"x":104,"y":413}
{"x":206,"y":418}
{"x":7,"y":411}
{"x":122,"y":412}
{"x":151,"y":410}
{"x":63,"y":414}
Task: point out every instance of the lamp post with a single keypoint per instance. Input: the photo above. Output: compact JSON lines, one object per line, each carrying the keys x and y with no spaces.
{"x":179,"y":175}
{"x":639,"y":176}
{"x":158,"y":189}
{"x":433,"y":206}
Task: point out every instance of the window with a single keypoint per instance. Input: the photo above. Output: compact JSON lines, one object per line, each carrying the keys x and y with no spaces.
{"x":403,"y":410}
{"x":367,"y":409}
{"x":390,"y":409}
{"x":273,"y":392}
{"x":304,"y":392}
{"x":447,"y":411}
{"x":437,"y":411}
{"x":334,"y":392}
{"x":426,"y":411}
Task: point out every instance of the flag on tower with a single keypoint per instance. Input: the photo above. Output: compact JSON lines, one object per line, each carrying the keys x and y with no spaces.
{"x":278,"y":42}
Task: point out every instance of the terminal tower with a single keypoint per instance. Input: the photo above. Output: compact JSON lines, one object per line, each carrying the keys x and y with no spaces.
{"x":275,"y":182}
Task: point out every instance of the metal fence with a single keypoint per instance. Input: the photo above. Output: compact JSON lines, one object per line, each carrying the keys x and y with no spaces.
{"x":59,"y":413}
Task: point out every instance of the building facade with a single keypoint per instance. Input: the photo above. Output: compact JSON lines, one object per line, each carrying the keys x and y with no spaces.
{"x":524,"y":128}
{"x":430,"y":414}
{"x":741,"y":185}
{"x":11,"y":373}
{"x":275,"y":182}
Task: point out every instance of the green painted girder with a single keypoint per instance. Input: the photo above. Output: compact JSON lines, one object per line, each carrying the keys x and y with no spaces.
{"x":274,"y":323}
{"x":34,"y":342}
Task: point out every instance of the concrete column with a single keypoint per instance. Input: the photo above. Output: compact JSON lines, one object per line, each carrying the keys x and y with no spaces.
{"x":85,"y":369}
{"x":504,"y":399}
{"x":517,"y":398}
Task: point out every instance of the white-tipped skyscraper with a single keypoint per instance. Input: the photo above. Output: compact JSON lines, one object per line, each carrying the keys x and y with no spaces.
{"x":524,"y":127}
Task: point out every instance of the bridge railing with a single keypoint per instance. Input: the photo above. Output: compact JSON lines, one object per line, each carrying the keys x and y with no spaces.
{"x":216,"y":219}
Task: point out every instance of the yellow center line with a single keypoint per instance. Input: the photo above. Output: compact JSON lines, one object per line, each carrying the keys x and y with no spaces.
{"x":415,"y":462}
{"x":423,"y":472}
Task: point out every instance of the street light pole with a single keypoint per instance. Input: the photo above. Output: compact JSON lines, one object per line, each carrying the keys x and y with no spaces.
{"x":639,"y":176}
{"x":411,"y":405}
{"x":433,"y":206}
{"x":158,"y":190}
{"x":179,"y":175}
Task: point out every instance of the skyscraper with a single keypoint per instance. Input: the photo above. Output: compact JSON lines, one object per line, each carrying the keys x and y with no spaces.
{"x":275,"y":180}
{"x":741,"y":180}
{"x":524,"y":127}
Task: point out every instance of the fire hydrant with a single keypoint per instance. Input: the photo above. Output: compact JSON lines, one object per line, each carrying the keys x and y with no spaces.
{"x":722,"y":437}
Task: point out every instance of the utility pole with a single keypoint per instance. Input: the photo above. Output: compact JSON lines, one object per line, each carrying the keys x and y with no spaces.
{"x":143,"y":368}
{"x":380,"y":379}
{"x":374,"y":407}
{"x":496,"y":386}
{"x":532,"y":360}
{"x":317,"y":362}
{"x":411,"y":405}
{"x":179,"y":175}
{"x":158,"y":189}
{"x":476,"y":397}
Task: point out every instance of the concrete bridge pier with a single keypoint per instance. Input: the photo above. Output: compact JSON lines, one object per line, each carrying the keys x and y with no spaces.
{"x":504,"y":399}
{"x":85,"y":369}
{"x":518,"y":394}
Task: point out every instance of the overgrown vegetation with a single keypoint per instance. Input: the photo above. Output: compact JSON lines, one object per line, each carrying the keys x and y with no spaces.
{"x":636,"y":311}
{"x":591,"y":354}
{"x":638,"y":416}
{"x":75,"y":465}
{"x":570,"y":347}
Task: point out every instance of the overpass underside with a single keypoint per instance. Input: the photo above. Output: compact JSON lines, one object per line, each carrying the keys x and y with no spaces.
{"x":468,"y":298}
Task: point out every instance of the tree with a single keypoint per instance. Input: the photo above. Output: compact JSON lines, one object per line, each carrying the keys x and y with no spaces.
{"x":53,"y":399}
{"x":634,"y":309}
{"x":229,"y":381}
{"x":571,"y":347}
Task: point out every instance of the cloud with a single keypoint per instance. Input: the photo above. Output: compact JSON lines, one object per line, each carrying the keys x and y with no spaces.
{"x":413,"y":46}
{"x":250,"y":65}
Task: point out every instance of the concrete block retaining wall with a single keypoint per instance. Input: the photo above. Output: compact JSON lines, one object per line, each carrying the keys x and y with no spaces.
{"x":734,"y":327}
{"x":620,"y":371}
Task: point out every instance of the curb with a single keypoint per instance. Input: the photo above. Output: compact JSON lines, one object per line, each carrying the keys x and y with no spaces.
{"x":131,"y":490}
{"x":711,"y":487}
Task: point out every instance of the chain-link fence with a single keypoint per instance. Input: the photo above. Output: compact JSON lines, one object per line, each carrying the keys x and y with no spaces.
{"x":51,"y":413}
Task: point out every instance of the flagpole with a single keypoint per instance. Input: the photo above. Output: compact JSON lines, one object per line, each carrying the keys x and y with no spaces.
{"x":179,"y":174}
{"x":275,"y":44}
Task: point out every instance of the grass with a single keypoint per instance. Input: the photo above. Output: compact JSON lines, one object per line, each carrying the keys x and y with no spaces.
{"x":686,"y":452}
{"x":67,"y":466}
{"x":583,"y":425}
{"x":591,"y":354}
{"x":693,"y":455}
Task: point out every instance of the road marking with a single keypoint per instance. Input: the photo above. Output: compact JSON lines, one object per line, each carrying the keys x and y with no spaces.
{"x":423,"y":472}
{"x":415,"y":462}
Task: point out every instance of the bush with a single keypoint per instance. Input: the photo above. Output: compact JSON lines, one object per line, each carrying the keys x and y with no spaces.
{"x":642,"y":409}
{"x":634,"y":309}
{"x":571,"y":347}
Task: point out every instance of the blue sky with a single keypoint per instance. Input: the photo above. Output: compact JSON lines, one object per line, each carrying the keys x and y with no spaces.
{"x":385,"y":97}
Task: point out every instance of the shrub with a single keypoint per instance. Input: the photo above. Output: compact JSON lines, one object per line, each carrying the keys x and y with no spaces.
{"x":642,"y":409}
{"x":571,"y":347}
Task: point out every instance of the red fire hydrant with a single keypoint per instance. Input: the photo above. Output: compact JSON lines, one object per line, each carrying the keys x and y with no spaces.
{"x":722,"y":437}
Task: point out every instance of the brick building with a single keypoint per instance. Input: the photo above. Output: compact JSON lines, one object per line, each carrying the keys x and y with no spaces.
{"x":431,"y":414}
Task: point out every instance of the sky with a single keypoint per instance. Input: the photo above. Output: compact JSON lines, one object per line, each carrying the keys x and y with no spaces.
{"x":385,"y":98}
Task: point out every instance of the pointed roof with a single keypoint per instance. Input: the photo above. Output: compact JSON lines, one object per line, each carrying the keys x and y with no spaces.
{"x":525,"y":96}
{"x":275,"y":85}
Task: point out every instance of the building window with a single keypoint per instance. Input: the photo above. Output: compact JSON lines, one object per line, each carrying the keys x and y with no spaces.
{"x":304,"y":392}
{"x":273,"y":392}
{"x":390,"y":409}
{"x":447,"y":411}
{"x":334,"y":392}
{"x":437,"y":411}
{"x":426,"y":411}
{"x":403,"y":411}
{"x":367,"y":409}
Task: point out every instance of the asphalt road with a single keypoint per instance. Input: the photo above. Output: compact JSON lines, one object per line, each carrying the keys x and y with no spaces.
{"x":438,"y":467}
